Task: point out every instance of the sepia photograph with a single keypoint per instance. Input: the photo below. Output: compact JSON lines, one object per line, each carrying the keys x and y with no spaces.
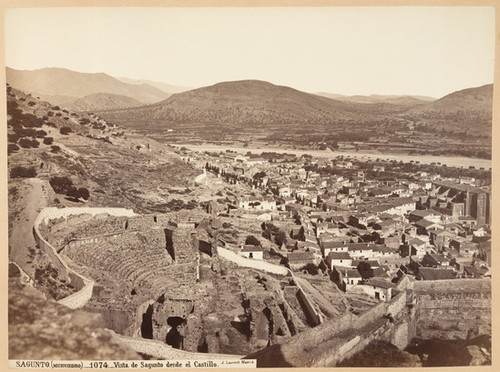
{"x":248,"y":186}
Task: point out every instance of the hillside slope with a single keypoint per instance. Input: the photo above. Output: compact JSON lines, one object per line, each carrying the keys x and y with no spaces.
{"x":92,"y":152}
{"x":62,"y":82}
{"x":102,"y":101}
{"x":248,"y":101}
{"x":472,"y":100}
{"x":468,"y":111}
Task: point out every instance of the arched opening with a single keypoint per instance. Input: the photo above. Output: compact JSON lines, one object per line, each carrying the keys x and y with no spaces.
{"x":175,"y":337}
{"x":147,"y":323}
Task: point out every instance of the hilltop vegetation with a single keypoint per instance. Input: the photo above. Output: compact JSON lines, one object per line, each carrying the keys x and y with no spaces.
{"x":89,"y":153}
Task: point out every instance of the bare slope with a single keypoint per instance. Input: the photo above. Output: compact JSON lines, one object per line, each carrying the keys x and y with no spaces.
{"x":247,"y":101}
{"x":63,"y":82}
{"x":102,"y":101}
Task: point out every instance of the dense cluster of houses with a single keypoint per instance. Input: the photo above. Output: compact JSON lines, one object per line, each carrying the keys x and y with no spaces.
{"x":364,"y":233}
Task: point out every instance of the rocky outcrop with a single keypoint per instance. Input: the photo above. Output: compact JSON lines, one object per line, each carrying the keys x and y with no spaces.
{"x":44,"y":329}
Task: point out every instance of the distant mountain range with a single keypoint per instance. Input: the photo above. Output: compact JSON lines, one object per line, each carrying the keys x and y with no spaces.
{"x":247,"y":102}
{"x":405,"y":100}
{"x":167,"y":88}
{"x":253,"y":101}
{"x":59,"y":85}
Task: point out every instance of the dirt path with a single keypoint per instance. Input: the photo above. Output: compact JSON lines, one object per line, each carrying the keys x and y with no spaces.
{"x":33,"y":196}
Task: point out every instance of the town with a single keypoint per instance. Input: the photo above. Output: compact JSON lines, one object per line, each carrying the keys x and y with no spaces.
{"x":365,"y":224}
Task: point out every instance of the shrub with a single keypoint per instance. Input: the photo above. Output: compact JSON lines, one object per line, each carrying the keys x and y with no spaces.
{"x":13,"y":137}
{"x":81,"y":192}
{"x":61,"y":185}
{"x":31,"y":103}
{"x":22,"y":172}
{"x":58,"y":114}
{"x":65,"y":130}
{"x":48,"y":140}
{"x":41,"y":133}
{"x":11,"y":148}
{"x":27,"y":143}
{"x":56,"y":108}
{"x":50,"y":113}
{"x":311,"y":269}
{"x":55,"y":149}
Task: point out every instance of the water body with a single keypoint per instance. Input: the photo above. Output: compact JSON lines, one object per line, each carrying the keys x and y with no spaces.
{"x":450,"y":161}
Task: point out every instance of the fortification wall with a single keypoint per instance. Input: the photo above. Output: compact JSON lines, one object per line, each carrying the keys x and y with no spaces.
{"x":450,"y":308}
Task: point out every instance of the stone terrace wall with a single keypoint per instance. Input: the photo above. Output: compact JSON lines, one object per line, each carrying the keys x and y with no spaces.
{"x":449,"y":308}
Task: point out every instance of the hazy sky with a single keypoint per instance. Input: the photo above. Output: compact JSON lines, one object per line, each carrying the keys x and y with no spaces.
{"x":352,"y":50}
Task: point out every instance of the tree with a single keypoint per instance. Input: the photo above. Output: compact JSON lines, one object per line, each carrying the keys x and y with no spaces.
{"x":280,"y":238}
{"x":252,"y":240}
{"x":48,"y":140}
{"x":365,"y":270}
{"x":311,"y":269}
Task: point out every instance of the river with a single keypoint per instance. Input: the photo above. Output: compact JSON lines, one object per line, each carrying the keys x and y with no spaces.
{"x":450,"y":161}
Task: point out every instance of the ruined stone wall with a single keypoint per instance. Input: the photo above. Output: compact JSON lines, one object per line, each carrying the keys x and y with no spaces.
{"x":84,"y":285}
{"x":450,"y":308}
{"x":141,"y":222}
{"x":253,"y":264}
{"x":339,"y":338}
{"x":311,"y":312}
{"x":160,"y":350}
{"x":51,"y":213}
